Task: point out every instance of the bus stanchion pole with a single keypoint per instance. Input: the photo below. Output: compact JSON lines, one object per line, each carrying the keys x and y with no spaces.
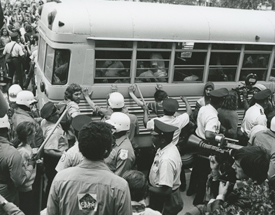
{"x":38,"y":156}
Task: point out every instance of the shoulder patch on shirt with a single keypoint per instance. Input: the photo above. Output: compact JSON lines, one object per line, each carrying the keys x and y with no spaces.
{"x":87,"y":202}
{"x":62,"y":159}
{"x":123,"y":154}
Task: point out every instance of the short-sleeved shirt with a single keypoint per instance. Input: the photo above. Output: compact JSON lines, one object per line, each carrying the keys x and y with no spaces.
{"x":122,"y":156}
{"x":17,"y":49}
{"x":254,"y":116}
{"x":207,"y":120}
{"x":179,"y":121}
{"x":166,"y":168}
{"x":89,"y":188}
{"x":73,"y":109}
{"x":56,"y":141}
{"x":70,"y":158}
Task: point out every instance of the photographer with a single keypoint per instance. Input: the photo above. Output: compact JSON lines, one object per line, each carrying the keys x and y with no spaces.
{"x":251,"y":193}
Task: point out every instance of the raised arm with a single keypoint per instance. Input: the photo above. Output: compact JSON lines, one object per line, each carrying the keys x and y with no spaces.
{"x":88,"y":99}
{"x":188,"y":107}
{"x":133,"y":96}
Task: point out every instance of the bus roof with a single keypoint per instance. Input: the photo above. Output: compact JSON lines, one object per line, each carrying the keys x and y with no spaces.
{"x":121,"y":20}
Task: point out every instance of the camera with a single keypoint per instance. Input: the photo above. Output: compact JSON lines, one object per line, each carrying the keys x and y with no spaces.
{"x":223,"y":151}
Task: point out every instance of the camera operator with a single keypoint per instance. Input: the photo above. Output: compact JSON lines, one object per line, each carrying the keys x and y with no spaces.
{"x":251,"y":194}
{"x":208,"y":127}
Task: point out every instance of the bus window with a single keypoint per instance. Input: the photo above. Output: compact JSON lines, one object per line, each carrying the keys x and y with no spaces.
{"x":41,"y":53}
{"x":61,"y":66}
{"x":113,"y":61}
{"x":49,"y":63}
{"x":272,"y":75}
{"x":153,"y":61}
{"x":224,"y":61}
{"x":258,"y":47}
{"x":189,"y":61}
{"x":255,"y":63}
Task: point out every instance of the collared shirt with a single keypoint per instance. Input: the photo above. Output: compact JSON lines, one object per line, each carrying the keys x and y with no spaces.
{"x":20,"y":116}
{"x":253,"y":116}
{"x":122,"y":156}
{"x":207,"y":120}
{"x":139,"y":208}
{"x":12,"y":171}
{"x":89,"y":188}
{"x":166,"y":168}
{"x":70,"y":158}
{"x":57,"y":140}
{"x":17,"y":49}
{"x":179,"y":121}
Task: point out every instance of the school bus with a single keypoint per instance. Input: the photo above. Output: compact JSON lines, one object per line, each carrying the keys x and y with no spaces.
{"x":110,"y":45}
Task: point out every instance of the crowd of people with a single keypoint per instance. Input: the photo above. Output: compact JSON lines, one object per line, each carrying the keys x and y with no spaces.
{"x":86,"y":166}
{"x":55,"y":160}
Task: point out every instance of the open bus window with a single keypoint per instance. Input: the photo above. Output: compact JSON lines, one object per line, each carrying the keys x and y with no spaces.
{"x":255,"y":63}
{"x":189,"y":62}
{"x":152,"y":66}
{"x":112,"y":66}
{"x":61,"y":66}
{"x":223,"y":66}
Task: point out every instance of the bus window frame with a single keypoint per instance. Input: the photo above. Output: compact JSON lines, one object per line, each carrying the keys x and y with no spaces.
{"x":41,"y":59}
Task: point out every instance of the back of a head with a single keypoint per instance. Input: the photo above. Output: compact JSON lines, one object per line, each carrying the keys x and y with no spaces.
{"x":137,"y":183}
{"x":116,"y":100}
{"x":254,"y":160}
{"x":24,"y":130}
{"x":120,"y":121}
{"x":25,"y":98}
{"x":95,"y":140}
{"x":230,"y":102}
{"x":13,"y":92}
{"x":160,"y":95}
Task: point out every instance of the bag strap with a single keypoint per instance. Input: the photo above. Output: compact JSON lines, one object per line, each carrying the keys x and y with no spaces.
{"x":12,"y":49}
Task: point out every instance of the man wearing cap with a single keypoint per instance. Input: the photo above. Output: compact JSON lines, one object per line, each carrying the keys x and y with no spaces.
{"x":57,"y":143}
{"x":164,"y":176}
{"x":115,"y":103}
{"x":255,"y":114}
{"x":25,"y":101}
{"x":73,"y":157}
{"x":15,"y":66}
{"x":208,"y":127}
{"x":266,"y":139}
{"x":255,"y":88}
{"x":170,"y":107}
{"x":122,"y":156}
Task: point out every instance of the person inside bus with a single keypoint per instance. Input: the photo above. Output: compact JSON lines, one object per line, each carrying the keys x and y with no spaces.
{"x":61,"y":67}
{"x":251,"y":193}
{"x":157,"y":70}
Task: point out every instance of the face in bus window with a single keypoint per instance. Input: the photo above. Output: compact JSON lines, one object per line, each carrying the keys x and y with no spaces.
{"x":76,"y":97}
{"x":208,"y":90}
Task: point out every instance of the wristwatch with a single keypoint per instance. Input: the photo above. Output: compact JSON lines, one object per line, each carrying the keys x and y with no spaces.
{"x":4,"y":203}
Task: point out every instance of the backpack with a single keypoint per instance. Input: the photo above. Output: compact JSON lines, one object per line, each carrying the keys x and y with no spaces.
{"x":8,"y":56}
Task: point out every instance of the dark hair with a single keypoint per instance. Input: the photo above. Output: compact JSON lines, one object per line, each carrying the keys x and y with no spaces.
{"x":215,"y":101}
{"x":94,"y":139}
{"x":254,"y":160}
{"x":137,"y":183}
{"x":160,"y":95}
{"x":1,"y":32}
{"x":24,"y":130}
{"x":230,"y":102}
{"x":71,"y":89}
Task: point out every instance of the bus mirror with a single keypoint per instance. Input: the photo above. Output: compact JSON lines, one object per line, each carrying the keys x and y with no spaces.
{"x":257,"y":38}
{"x":42,"y":87}
{"x":60,"y":24}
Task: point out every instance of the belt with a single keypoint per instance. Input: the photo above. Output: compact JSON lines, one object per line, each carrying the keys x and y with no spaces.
{"x":173,"y":191}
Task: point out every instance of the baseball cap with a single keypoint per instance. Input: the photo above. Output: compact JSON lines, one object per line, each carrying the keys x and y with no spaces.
{"x":48,"y":109}
{"x":219,"y":93}
{"x":161,"y":127}
{"x":170,"y":105}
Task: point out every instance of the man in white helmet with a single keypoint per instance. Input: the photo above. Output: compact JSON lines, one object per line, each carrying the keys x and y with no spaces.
{"x":115,"y":103}
{"x":12,"y":174}
{"x":122,"y":156}
{"x":24,"y":101}
{"x":12,"y":94}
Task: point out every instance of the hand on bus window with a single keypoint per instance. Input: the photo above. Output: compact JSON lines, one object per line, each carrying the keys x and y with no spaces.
{"x":86,"y":92}
{"x":132,"y":89}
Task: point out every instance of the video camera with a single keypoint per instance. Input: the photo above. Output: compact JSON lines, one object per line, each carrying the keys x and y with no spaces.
{"x":223,"y":151}
{"x":250,"y":80}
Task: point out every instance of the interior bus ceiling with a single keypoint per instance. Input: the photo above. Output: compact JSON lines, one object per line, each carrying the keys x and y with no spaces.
{"x":150,"y":21}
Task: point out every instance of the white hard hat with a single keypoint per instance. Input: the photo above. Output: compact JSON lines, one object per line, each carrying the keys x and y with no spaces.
{"x":120,"y":121}
{"x":4,"y":122}
{"x":13,"y":91}
{"x":116,"y":100}
{"x":25,"y":97}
